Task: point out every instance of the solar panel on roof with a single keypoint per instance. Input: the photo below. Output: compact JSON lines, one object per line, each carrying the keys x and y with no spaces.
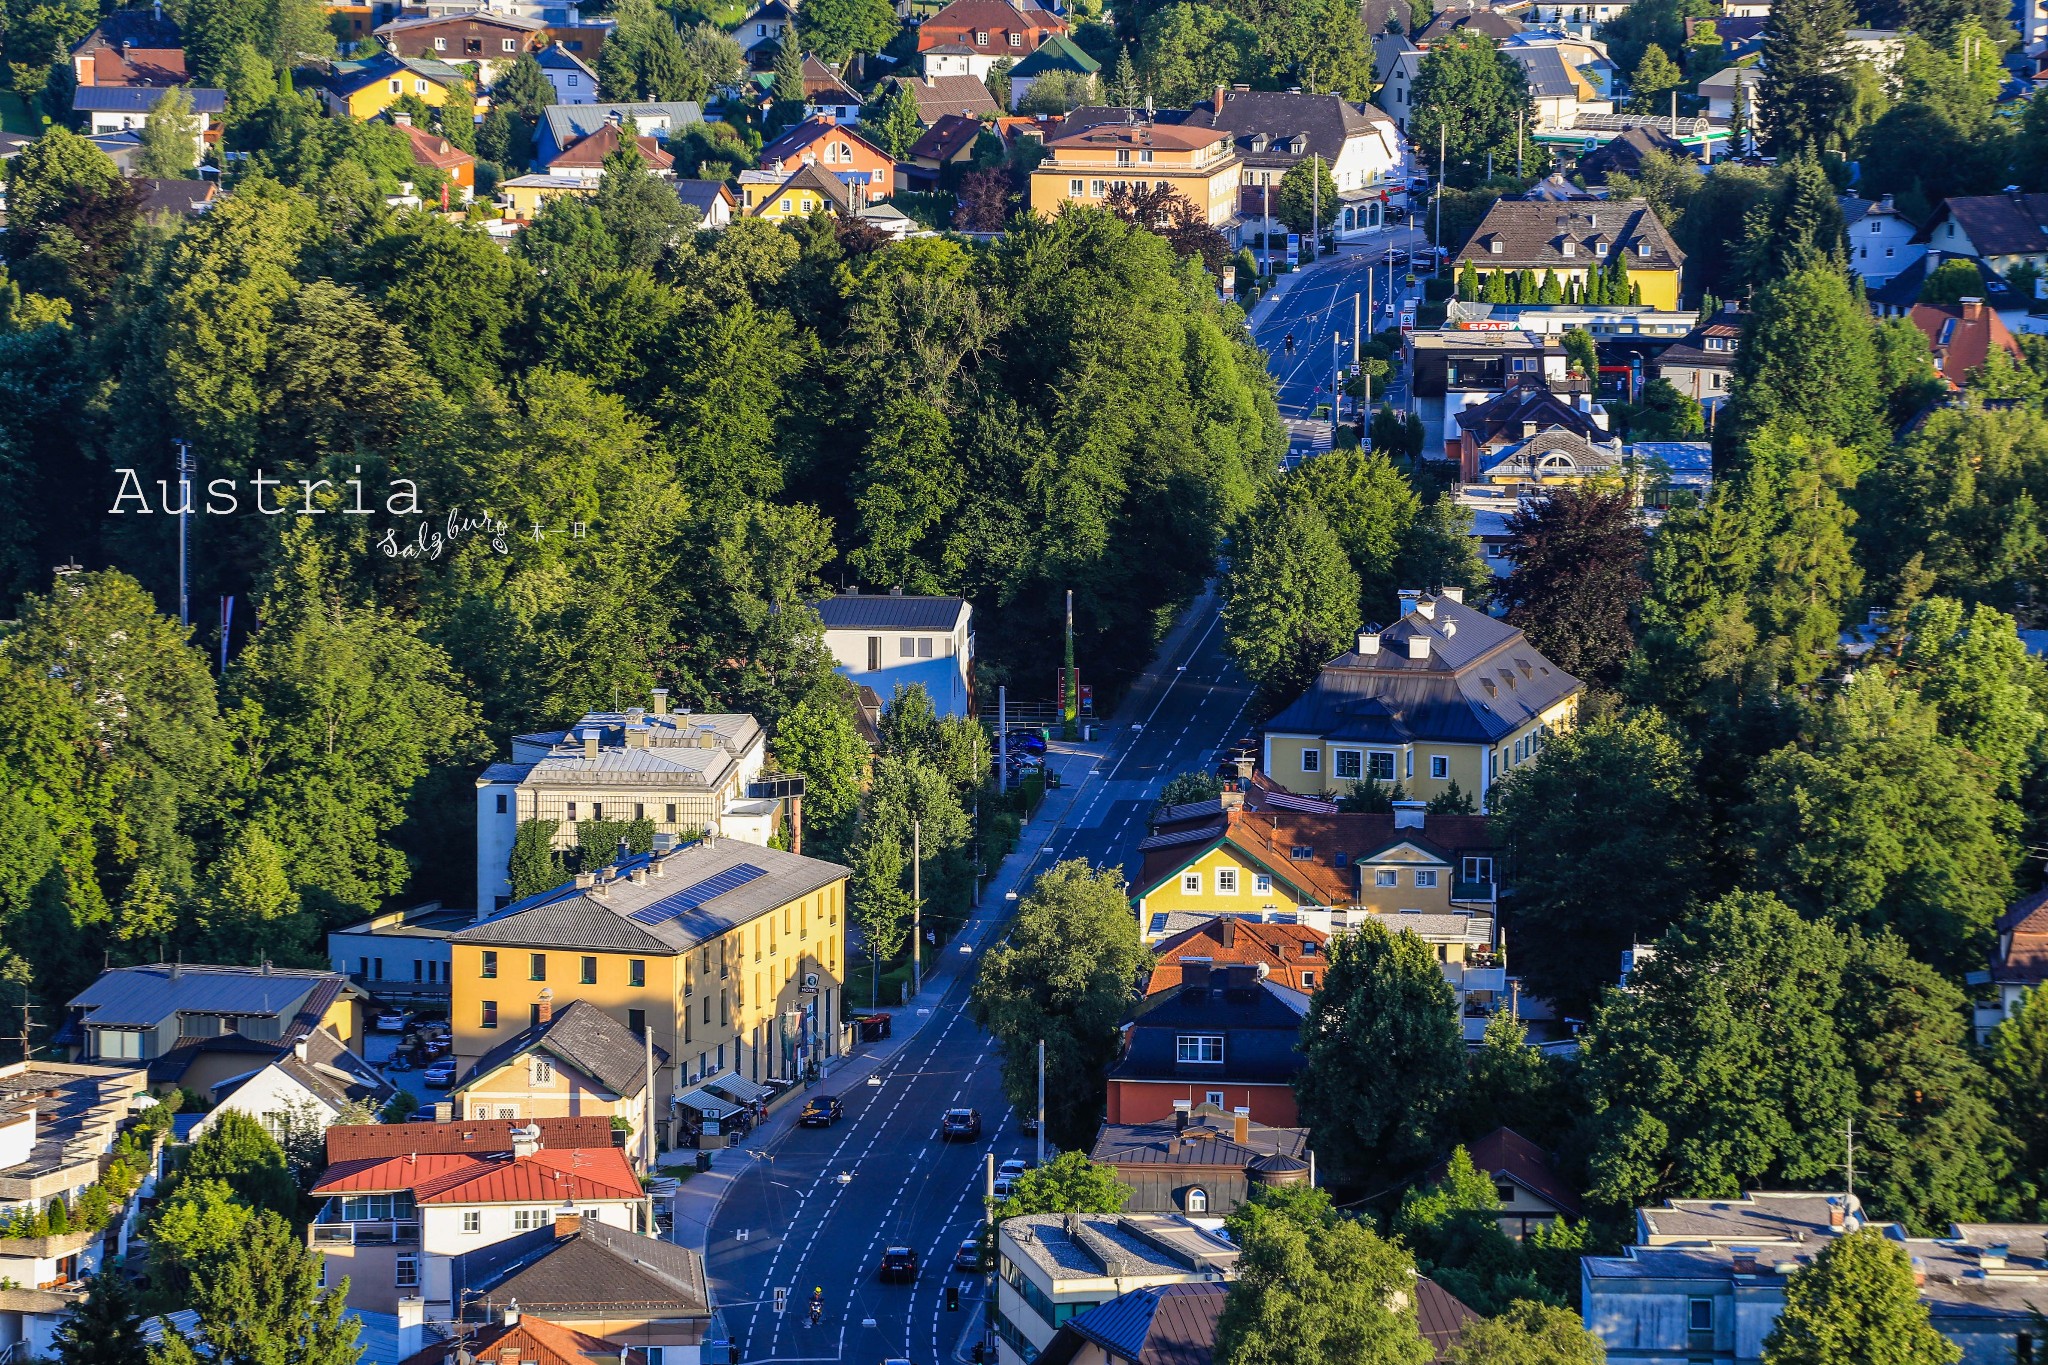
{"x":695,"y":896}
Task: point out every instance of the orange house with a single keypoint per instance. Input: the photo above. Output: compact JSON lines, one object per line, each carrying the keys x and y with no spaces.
{"x":821,"y":142}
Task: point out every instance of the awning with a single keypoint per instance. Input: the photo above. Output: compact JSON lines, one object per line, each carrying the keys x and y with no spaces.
{"x":707,"y":1104}
{"x":739,"y":1087}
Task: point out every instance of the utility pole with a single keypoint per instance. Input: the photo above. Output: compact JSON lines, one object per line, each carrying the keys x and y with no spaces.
{"x":916,"y":909}
{"x":1266,"y":226}
{"x":1336,"y":382}
{"x":1438,"y":240}
{"x":186,"y":468}
{"x":1041,"y":1102}
{"x":1070,"y":710}
{"x":1850,"y":1168}
{"x":1521,"y":117}
{"x":1358,"y":356}
{"x":1002,"y":738}
{"x":1315,"y":199}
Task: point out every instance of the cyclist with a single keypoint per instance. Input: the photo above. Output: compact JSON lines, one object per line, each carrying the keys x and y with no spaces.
{"x":817,"y":1304}
{"x":1287,"y":343}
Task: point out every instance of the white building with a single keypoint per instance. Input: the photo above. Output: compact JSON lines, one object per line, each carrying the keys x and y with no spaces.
{"x":686,"y":774}
{"x":574,"y":82}
{"x":1276,"y":130}
{"x":890,"y":641}
{"x":1052,"y":1266}
{"x":125,"y":108}
{"x":316,"y":1077}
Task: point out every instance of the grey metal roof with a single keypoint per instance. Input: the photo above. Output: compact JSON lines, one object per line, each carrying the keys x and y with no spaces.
{"x":555,"y":57}
{"x":1096,"y":1245}
{"x":567,"y":122}
{"x":600,"y":1270}
{"x":1208,"y":1140}
{"x":1481,"y":681}
{"x":1545,"y":70}
{"x":601,"y":917}
{"x":584,"y":1037}
{"x":1532,"y":235}
{"x":131,"y":99}
{"x":143,"y":997}
{"x":864,"y":611}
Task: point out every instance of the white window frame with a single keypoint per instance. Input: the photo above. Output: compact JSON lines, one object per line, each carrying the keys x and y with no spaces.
{"x":1226,"y":881}
{"x":1194,"y":1049}
{"x":1439,"y":766}
{"x":1262,"y":884}
{"x":541,"y":1071}
{"x":1475,"y":864}
{"x":472,"y":1221}
{"x":1425,"y":879}
{"x":1311,"y":760}
{"x":1386,"y":876}
{"x":405,"y":1270}
{"x":1351,"y":759}
{"x":1372,"y":764}
{"x":1198,"y":1199}
{"x":440,"y":44}
{"x":1191,"y":883}
{"x":1308,"y":981}
{"x":510,"y":45}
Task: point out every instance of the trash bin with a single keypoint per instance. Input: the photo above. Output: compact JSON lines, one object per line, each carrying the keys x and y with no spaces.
{"x":703,"y":1161}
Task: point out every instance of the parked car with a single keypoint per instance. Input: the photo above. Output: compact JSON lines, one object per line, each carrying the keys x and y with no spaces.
{"x":899,"y":1263}
{"x":967,"y":1259}
{"x":393,"y":1020}
{"x":821,"y":1111}
{"x":1007,"y":1175}
{"x":963,"y":1125}
{"x":1025,"y":741}
{"x":1027,"y":1121}
{"x":440,"y":1075}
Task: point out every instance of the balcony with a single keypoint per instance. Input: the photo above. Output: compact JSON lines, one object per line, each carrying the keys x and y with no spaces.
{"x":366,"y":1234}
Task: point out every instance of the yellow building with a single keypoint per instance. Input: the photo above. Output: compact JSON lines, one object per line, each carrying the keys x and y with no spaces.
{"x":522,"y":196}
{"x":573,"y":1063}
{"x":1445,"y":695}
{"x":1572,"y":239}
{"x":780,"y":195}
{"x":1083,"y":167}
{"x":363,"y":90}
{"x":731,"y":955}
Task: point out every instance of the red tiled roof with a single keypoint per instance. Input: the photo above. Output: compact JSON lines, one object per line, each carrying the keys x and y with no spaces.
{"x":1962,"y":337}
{"x":475,"y":1137}
{"x":2021,"y":958}
{"x":997,"y":18}
{"x":431,"y":149}
{"x":538,"y":1342}
{"x":1440,"y":1316}
{"x":946,"y":139}
{"x":790,"y":147}
{"x":1227,"y":939}
{"x":138,"y":66}
{"x":1270,"y":836}
{"x":543,"y":1177}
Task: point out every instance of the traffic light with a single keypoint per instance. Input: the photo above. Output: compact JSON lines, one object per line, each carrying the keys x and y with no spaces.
{"x":952,"y":1298}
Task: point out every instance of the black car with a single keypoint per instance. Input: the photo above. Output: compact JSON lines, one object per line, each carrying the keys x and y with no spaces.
{"x":821,"y":1111}
{"x":960,"y":1125}
{"x":967,"y":1260}
{"x":899,"y":1263}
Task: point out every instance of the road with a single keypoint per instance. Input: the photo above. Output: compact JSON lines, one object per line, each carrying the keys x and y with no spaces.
{"x":790,"y":1220}
{"x":1320,"y":304}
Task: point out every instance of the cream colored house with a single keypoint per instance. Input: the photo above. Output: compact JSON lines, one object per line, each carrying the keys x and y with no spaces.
{"x":573,"y":1063}
{"x":1446,"y":694}
{"x":688,"y":774}
{"x":1201,"y":164}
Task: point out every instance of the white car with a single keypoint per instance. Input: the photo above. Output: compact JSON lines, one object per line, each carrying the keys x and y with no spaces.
{"x":393,"y":1020}
{"x":1007,"y":1175}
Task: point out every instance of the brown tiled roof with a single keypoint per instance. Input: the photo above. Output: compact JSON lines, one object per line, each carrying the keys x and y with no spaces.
{"x":536,"y":1341}
{"x":2021,"y":958}
{"x":1210,"y":1139}
{"x":591,"y":150}
{"x":1532,"y":235}
{"x":820,"y":79}
{"x":362,"y":1141}
{"x":2002,"y":224}
{"x":1478,"y":20}
{"x":1962,"y":336}
{"x":431,"y":149}
{"x":942,"y":95}
{"x":997,"y":18}
{"x":1226,"y":939}
{"x":1441,"y":1317}
{"x":146,"y":66}
{"x":946,"y":139}
{"x":1176,"y":136}
{"x":1506,"y":1153}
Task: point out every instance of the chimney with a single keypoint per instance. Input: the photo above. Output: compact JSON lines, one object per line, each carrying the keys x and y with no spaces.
{"x":444,"y":1112}
{"x":1743,"y":1260}
{"x":1409,"y":597}
{"x":508,"y":1355}
{"x":590,"y":744}
{"x":545,"y":1007}
{"x":585,"y":880}
{"x":401,"y":118}
{"x":568,"y":1224}
{"x":1181,"y":1114}
{"x":1240,"y":979}
{"x":1454,"y":594}
{"x":156,"y":9}
{"x":1409,"y":814}
{"x":299,"y":1049}
{"x":1836,"y":1213}
{"x":1919,"y":1266}
{"x":1240,"y":1125}
{"x":525,"y":1140}
{"x":1243,"y":764}
{"x":1220,"y":94}
{"x":1368,"y":642}
{"x":412,"y":1326}
{"x":1226,"y":932}
{"x":1973,"y":309}
{"x":1418,"y":646}
{"x":1231,"y":797}
{"x":1528,"y":430}
{"x":661,"y":701}
{"x":896,"y":591}
{"x":1425,"y":607}
{"x":1194,"y":974}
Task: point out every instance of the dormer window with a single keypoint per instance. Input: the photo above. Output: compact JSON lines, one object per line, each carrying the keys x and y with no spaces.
{"x":1496,"y":246}
{"x":1599,"y":248}
{"x":1571,"y":248}
{"x":1301,"y":853}
{"x":1016,"y":40}
{"x":1643,"y":249}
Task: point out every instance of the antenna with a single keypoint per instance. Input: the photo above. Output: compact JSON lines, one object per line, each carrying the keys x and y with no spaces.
{"x":1849,"y":1168}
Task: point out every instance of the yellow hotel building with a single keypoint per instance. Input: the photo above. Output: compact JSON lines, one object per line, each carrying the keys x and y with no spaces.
{"x":1446,"y":694}
{"x":732,"y":955}
{"x":1082,"y":167}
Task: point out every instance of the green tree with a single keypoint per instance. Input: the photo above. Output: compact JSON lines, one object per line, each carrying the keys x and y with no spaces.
{"x":195,"y":1226}
{"x":1654,"y":78}
{"x":1290,"y":598}
{"x":1069,"y":1183}
{"x":264,"y":1303}
{"x":69,"y":217}
{"x":1296,"y":203}
{"x":1382,"y":1056}
{"x":1065,"y":976}
{"x":1123,"y":90}
{"x":818,"y":738}
{"x":1805,"y":89}
{"x":1721,"y":1067}
{"x":535,"y":866}
{"x":1577,"y":555}
{"x":1581,"y":354}
{"x":523,"y":89}
{"x":1472,"y":92}
{"x":1856,"y":1304}
{"x":1057,"y":92}
{"x":1191,"y":786}
{"x":640,"y":210}
{"x":890,"y":120}
{"x":105,"y":1327}
{"x":836,"y":29}
{"x":1528,"y":1334}
{"x":1510,"y":1083}
{"x":246,"y":909}
{"x":169,"y":141}
{"x":1807,"y":353}
{"x":714,"y":55}
{"x":1370,"y":506}
{"x":237,"y":1150}
{"x":1440,"y":550}
{"x":1304,"y":1297}
{"x":1186,"y":50}
{"x":2018,"y":1063}
{"x":1879,"y":822}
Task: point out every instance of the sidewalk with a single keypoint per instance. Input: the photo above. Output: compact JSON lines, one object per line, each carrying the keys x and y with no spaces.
{"x":697,"y":1201}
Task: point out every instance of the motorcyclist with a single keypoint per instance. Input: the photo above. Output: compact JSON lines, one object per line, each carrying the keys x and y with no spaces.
{"x":817,"y":1304}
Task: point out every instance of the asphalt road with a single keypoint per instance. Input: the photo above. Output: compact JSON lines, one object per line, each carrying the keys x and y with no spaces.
{"x":791,"y":1221}
{"x":1320,"y":304}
